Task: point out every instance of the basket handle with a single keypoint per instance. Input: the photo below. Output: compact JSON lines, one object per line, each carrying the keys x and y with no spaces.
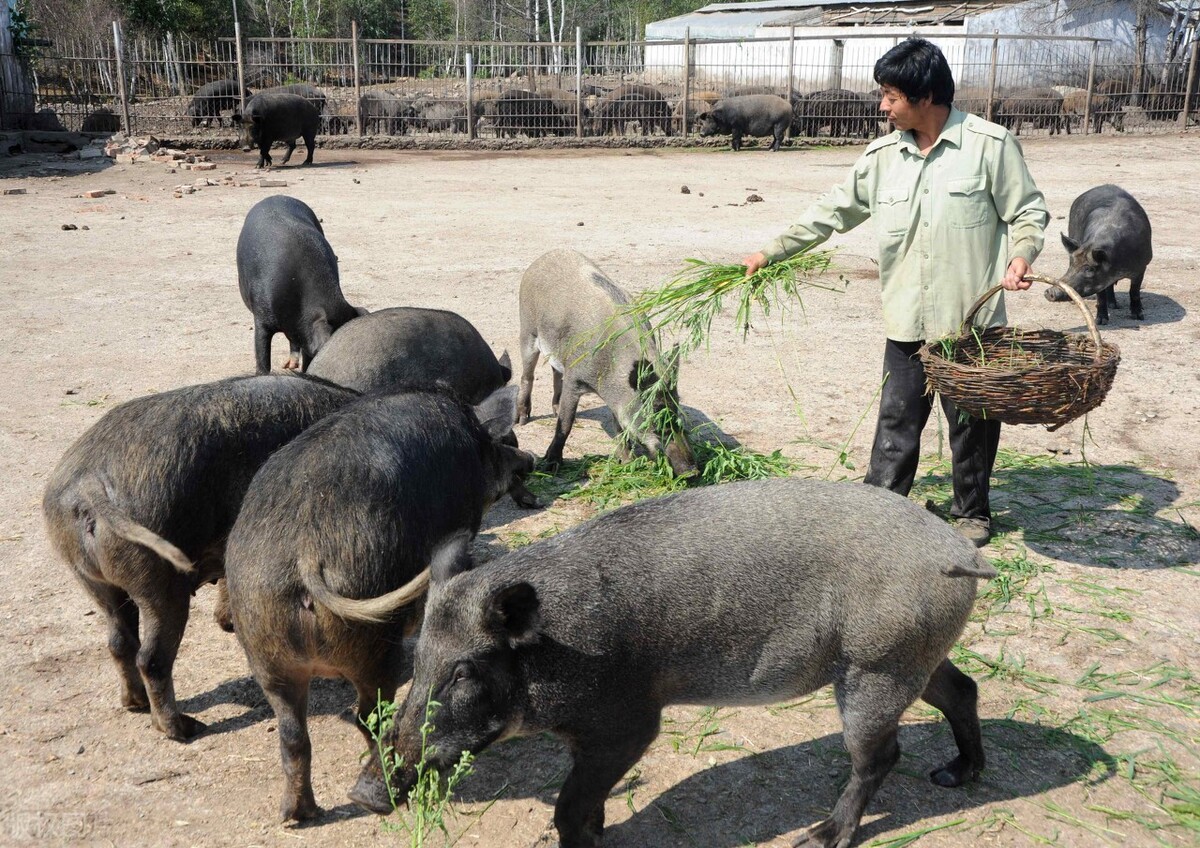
{"x":1038,"y":278}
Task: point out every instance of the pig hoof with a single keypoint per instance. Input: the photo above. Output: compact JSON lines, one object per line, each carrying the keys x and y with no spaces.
{"x":372,"y":796}
{"x":292,"y":364}
{"x":1138,"y":314}
{"x":523,"y":418}
{"x":135,"y":702}
{"x":300,"y":809}
{"x":184,"y":729}
{"x":955,"y":773}
{"x":826,"y":834}
{"x":224,"y":620}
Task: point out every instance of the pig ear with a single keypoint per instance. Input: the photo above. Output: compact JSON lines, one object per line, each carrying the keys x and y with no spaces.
{"x":505,"y":365}
{"x":1069,"y":243}
{"x":498,"y":411}
{"x":513,"y":611}
{"x":1098,"y":257}
{"x":451,"y":557}
{"x":642,"y":375}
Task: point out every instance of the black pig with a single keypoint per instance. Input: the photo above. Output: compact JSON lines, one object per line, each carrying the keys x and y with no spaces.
{"x":141,"y":504}
{"x":353,"y":510}
{"x":748,"y":593}
{"x":288,"y":277}
{"x":269,"y":118}
{"x":750,"y":114}
{"x":1108,"y":238}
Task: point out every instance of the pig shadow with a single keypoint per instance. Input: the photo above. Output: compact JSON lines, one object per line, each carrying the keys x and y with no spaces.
{"x":1158,"y":309}
{"x":326,"y":697}
{"x":757,"y":798}
{"x":1113,"y":516}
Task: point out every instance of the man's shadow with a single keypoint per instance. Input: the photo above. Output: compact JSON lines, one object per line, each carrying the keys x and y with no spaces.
{"x":1099,"y":515}
{"x":759,"y":797}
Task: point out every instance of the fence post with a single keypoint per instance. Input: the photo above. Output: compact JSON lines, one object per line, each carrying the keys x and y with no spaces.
{"x":358,"y":116}
{"x":237,"y":46}
{"x":791,"y":73}
{"x":578,"y":82}
{"x":991,"y":100}
{"x":469,"y":61}
{"x":121,"y":78}
{"x":1091,"y":83}
{"x":839,"y":53}
{"x":1187,"y":92}
{"x":687,"y":80}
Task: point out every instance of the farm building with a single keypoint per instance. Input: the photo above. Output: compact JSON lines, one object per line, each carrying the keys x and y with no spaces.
{"x":834,"y":43}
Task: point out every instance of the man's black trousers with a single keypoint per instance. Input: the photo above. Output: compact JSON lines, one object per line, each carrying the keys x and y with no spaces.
{"x":903,"y":410}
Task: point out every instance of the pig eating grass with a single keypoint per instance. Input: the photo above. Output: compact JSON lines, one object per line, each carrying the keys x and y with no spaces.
{"x":746,"y":593}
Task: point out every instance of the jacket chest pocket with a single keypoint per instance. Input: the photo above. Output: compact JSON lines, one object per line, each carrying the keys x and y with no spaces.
{"x":892,"y":212}
{"x":969,"y":202}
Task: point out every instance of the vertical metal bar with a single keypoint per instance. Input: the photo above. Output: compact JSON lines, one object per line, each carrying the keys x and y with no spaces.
{"x":358,"y":114}
{"x":791,"y":69}
{"x":237,"y":43}
{"x":470,"y":94}
{"x":687,"y":81}
{"x":121,"y":78}
{"x":1091,"y":86}
{"x":991,"y":97}
{"x":1191,"y":82}
{"x":578,"y":82}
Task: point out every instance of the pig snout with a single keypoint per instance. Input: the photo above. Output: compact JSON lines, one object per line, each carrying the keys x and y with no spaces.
{"x":370,"y":791}
{"x":1056,"y":295}
{"x":679,"y":455}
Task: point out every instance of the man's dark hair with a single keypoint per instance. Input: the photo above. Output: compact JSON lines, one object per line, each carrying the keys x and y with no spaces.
{"x":918,"y":69}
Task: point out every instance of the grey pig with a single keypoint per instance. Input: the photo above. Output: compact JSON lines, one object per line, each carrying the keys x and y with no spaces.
{"x":568,"y":307}
{"x":407,"y":347}
{"x":747,"y":593}
{"x":352,"y":510}
{"x":141,"y":504}
{"x":288,"y":277}
{"x":749,"y":114}
{"x":1108,"y":238}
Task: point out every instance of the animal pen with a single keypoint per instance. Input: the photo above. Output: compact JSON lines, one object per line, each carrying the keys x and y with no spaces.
{"x":642,"y":89}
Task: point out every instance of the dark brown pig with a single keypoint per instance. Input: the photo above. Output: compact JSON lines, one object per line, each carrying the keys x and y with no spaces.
{"x":327,"y":563}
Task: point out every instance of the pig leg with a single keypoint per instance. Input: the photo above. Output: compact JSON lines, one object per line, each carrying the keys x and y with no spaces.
{"x":262,"y":347}
{"x":567,"y":407}
{"x":558,"y":381}
{"x":595,"y":769}
{"x":291,"y":147}
{"x":1135,"y":296}
{"x":123,"y":642}
{"x":529,"y":361}
{"x":310,"y":143}
{"x":289,"y":700}
{"x":1102,"y":305}
{"x":871,"y":705}
{"x":294,"y":356}
{"x":221,"y":613}
{"x":956,"y":695}
{"x":165,"y":618}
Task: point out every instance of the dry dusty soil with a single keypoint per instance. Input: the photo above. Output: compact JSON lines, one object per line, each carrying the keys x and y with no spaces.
{"x":1085,"y":648}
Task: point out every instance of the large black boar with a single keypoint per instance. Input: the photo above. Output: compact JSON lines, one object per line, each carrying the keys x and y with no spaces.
{"x":353,"y":510}
{"x":411,"y":348}
{"x":210,"y":99}
{"x":141,"y":504}
{"x":568,"y":308}
{"x":750,"y":114}
{"x":302,"y":89}
{"x":1108,"y":238}
{"x":748,"y":593}
{"x":269,"y":118}
{"x":288,"y":277}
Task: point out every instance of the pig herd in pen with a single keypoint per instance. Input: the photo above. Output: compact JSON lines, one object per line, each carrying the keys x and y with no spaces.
{"x":335,"y":508}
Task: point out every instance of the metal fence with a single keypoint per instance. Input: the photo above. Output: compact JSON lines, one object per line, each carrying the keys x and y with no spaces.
{"x":179,"y":88}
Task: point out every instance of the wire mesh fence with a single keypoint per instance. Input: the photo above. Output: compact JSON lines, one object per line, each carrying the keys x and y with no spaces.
{"x":1033,"y":85}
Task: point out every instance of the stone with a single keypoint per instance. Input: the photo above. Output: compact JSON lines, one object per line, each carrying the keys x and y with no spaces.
{"x":91,"y":153}
{"x":205,"y":166}
{"x":267,"y":182}
{"x":14,"y":191}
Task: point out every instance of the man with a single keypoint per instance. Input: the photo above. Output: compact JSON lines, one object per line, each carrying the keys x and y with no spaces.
{"x":956,"y":210}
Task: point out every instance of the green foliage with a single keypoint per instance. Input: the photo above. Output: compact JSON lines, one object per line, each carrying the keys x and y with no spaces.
{"x":429,"y":798}
{"x":198,"y":18}
{"x":23,"y":29}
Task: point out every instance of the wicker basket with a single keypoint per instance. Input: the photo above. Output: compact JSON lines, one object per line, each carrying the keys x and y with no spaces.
{"x":1022,"y":376}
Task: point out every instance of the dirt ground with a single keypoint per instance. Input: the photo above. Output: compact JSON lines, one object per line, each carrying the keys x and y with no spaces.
{"x":1085,"y":649}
